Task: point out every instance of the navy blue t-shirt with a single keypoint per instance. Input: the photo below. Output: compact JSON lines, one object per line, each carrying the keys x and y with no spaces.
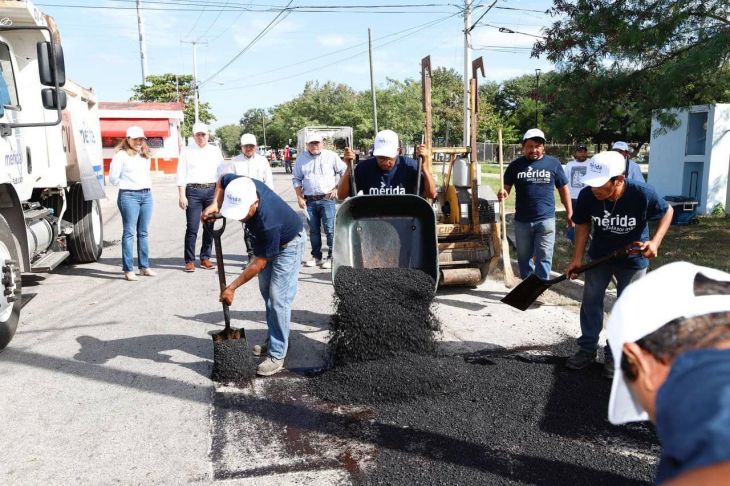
{"x":533,"y":181}
{"x":274,"y":225}
{"x":617,"y":225}
{"x":693,"y":413}
{"x":401,"y":179}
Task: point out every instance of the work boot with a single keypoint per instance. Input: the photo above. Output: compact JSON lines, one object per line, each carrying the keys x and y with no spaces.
{"x":260,"y":349}
{"x":130,"y":276}
{"x":327,"y":264}
{"x":147,"y":272}
{"x":270,"y":366}
{"x":189,"y":267}
{"x":314,"y":262}
{"x":608,"y":367}
{"x":580,"y":360}
{"x":207,"y":264}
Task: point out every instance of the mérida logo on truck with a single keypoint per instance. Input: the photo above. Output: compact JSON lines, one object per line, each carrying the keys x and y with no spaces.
{"x":51,"y":178}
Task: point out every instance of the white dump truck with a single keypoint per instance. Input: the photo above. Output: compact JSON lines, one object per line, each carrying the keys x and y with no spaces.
{"x":52,"y":177}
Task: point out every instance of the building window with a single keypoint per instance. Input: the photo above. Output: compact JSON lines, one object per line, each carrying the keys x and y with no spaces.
{"x":696,"y":133}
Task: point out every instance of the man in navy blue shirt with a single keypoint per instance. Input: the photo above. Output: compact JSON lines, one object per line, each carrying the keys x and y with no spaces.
{"x":670,"y":339}
{"x":619,"y":210}
{"x":534,"y":175}
{"x":387,"y":172}
{"x":278,"y":244}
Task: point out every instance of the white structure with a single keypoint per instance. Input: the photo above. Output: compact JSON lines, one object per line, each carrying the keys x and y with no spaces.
{"x":693,"y":160}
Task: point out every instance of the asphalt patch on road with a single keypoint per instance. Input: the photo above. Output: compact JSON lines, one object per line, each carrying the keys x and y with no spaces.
{"x":381,"y":312}
{"x":232,"y":362}
{"x":519,"y":418}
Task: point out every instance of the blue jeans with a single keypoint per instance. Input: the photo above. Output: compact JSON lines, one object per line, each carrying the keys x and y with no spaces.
{"x":322,"y":213}
{"x":136,"y":209}
{"x":198,"y":199}
{"x":591,"y":309}
{"x":535,"y":240}
{"x":278,"y":286}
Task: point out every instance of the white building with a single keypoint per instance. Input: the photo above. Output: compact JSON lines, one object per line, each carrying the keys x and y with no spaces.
{"x":693,"y":160}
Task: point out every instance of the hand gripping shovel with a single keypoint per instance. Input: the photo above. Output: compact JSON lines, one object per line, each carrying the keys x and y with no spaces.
{"x":522,"y":296}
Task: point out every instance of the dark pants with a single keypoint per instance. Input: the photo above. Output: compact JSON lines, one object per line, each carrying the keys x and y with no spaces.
{"x":248,"y":240}
{"x":198,"y":198}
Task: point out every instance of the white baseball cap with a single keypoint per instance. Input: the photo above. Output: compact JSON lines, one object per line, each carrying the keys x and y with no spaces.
{"x":314,"y":137}
{"x":621,"y":146}
{"x":135,"y":132}
{"x":200,"y":127}
{"x":534,"y":133}
{"x":663,"y":295}
{"x":248,"y":139}
{"x":603,"y":166}
{"x":386,"y":144}
{"x":239,"y":196}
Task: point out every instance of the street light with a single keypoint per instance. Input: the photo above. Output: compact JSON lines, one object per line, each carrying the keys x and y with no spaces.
{"x":537,"y":96}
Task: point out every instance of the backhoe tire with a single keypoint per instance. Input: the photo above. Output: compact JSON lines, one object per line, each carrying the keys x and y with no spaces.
{"x":87,"y":241}
{"x":10,"y":288}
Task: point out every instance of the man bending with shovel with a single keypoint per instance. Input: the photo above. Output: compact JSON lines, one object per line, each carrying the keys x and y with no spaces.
{"x":619,"y":210}
{"x":278,"y":245}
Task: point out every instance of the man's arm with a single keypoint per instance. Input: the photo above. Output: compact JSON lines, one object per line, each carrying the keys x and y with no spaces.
{"x":581,"y":239}
{"x":343,"y":188}
{"x":650,"y":248}
{"x":567,"y":203}
{"x":300,"y":197}
{"x":217,"y":201}
{"x":504,"y":192}
{"x":254,"y":268}
{"x":182,"y":172}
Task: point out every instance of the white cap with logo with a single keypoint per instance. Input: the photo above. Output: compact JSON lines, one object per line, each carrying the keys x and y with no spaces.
{"x":603,"y":166}
{"x":248,"y":139}
{"x":200,"y":127}
{"x":621,"y":146}
{"x":240,"y":194}
{"x":534,"y":133}
{"x":313,"y":137}
{"x":135,"y":132}
{"x":386,"y":144}
{"x":646,"y":305}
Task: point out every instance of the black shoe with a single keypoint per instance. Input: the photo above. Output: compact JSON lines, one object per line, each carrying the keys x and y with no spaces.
{"x":608,"y":367}
{"x":580,"y":360}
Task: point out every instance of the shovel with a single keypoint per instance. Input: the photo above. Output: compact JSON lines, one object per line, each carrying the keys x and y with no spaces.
{"x":227,"y":333}
{"x":522,"y":296}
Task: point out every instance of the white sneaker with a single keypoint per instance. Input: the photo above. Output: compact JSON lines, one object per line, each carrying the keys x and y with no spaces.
{"x":313,"y":263}
{"x":130,"y":276}
{"x":327,"y":264}
{"x":148,"y":272}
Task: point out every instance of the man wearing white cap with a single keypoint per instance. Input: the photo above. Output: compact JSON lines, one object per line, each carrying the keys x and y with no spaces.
{"x":250,"y":164}
{"x":670,"y":339}
{"x":317,"y":172}
{"x":388,"y":172}
{"x":196,"y":175}
{"x":278,"y":245}
{"x":619,"y":210}
{"x":534,"y":176}
{"x":632,"y":170}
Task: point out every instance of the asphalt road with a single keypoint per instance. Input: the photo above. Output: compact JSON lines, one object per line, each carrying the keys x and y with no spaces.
{"x":107,"y":381}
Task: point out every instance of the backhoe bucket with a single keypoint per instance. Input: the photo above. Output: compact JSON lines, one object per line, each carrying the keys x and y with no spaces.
{"x":389,"y":231}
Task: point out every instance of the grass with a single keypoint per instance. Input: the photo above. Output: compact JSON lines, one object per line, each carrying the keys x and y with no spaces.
{"x":701,"y":244}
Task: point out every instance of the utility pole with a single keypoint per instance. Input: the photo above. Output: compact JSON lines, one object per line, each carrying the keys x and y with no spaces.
{"x":263,"y":122}
{"x":537,"y":97}
{"x":372,"y":85}
{"x":467,"y":67}
{"x":195,"y":76}
{"x":142,"y":49}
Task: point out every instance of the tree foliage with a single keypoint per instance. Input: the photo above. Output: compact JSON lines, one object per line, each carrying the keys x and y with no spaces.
{"x":230,"y":138}
{"x":170,"y":88}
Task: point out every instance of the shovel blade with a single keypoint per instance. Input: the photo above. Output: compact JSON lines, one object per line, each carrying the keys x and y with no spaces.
{"x":522,"y":296}
{"x":227,"y":334}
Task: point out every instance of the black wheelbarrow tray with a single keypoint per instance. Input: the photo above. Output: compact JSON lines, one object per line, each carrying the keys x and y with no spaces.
{"x":386,"y":231}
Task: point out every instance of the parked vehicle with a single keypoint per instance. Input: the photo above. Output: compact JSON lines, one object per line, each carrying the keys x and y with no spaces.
{"x":52,"y":179}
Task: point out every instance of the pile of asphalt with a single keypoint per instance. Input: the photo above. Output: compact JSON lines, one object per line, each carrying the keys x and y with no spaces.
{"x":232,"y":362}
{"x":381,"y":312}
{"x":489,"y":418}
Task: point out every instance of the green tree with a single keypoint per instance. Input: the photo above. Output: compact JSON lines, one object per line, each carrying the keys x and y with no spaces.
{"x":257,"y":121}
{"x":230,"y":138}
{"x":169,"y":88}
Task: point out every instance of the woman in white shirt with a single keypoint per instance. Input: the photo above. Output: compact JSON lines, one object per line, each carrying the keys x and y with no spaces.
{"x":130,"y":170}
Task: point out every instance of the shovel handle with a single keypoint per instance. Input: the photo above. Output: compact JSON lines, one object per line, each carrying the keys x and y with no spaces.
{"x":600,"y":261}
{"x":216,"y":234}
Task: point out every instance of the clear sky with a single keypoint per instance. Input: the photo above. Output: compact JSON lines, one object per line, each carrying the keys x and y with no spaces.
{"x":311,"y":42}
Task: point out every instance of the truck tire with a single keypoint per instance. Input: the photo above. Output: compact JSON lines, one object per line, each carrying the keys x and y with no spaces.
{"x":10,"y":297}
{"x":86,"y":242}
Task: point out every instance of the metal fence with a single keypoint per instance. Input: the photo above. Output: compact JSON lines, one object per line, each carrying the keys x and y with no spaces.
{"x":487,"y":152}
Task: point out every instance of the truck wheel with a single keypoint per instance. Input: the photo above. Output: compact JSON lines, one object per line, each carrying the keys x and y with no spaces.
{"x":10,"y":298}
{"x":86,"y":242}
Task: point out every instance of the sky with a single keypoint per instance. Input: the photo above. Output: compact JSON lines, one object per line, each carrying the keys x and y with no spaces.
{"x":239,"y":68}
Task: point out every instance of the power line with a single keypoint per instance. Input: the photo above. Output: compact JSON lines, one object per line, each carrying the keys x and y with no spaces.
{"x":197,"y":20}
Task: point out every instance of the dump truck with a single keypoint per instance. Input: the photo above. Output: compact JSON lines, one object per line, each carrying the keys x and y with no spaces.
{"x":50,"y":141}
{"x":333,"y":138}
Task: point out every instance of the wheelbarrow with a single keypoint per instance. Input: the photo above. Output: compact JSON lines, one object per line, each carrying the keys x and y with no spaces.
{"x":386,"y":231}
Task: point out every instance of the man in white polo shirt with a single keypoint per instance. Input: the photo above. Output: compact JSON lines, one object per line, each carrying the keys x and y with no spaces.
{"x":196,"y":178}
{"x":316,"y":174}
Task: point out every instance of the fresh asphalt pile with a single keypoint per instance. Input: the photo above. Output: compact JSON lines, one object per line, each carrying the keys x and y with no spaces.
{"x":381,"y":312}
{"x":232,"y":362}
